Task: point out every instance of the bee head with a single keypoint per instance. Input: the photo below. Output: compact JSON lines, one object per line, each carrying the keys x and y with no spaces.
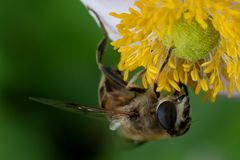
{"x":173,"y":114}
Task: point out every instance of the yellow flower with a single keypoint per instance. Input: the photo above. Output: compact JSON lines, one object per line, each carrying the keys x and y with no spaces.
{"x":204,"y":36}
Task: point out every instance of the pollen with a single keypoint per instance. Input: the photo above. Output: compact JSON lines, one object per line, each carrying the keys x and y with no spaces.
{"x":205,"y":38}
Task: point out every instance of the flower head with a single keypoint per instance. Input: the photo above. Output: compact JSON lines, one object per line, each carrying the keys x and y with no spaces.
{"x":204,"y":37}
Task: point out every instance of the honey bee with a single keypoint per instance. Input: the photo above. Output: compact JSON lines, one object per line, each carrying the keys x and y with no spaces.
{"x":138,"y":114}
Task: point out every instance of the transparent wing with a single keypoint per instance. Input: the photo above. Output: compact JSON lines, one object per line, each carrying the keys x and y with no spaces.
{"x":75,"y":107}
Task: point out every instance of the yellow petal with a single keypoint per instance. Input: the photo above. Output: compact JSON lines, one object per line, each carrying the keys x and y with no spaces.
{"x":212,"y":78}
{"x":175,"y":75}
{"x":181,"y":76}
{"x":186,"y":78}
{"x":204,"y":85}
{"x":144,"y":82}
{"x":238,"y":87}
{"x":167,"y":88}
{"x":206,"y":64}
{"x":125,"y":77}
{"x":187,"y":65}
{"x":171,"y":64}
{"x":194,"y":75}
{"x":208,"y":69}
{"x":198,"y":88}
{"x":174,"y":85}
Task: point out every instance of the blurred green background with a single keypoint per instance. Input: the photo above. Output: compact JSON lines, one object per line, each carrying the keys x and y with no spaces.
{"x":47,"y":49}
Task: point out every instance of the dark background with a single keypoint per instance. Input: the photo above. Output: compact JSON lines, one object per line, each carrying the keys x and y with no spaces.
{"x":47,"y":49}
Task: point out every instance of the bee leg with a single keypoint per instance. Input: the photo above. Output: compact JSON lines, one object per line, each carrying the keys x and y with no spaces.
{"x":100,"y":50}
{"x":181,"y":96}
{"x":185,"y":89}
{"x":113,"y":75}
{"x":155,"y":90}
{"x":164,"y":63}
{"x":161,"y":69}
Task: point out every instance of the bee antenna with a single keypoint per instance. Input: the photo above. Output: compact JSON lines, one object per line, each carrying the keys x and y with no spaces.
{"x":164,"y":63}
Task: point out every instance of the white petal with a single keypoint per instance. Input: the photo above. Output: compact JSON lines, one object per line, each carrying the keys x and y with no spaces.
{"x":104,"y":7}
{"x":234,"y":94}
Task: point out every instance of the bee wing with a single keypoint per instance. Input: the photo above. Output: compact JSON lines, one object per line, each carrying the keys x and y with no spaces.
{"x":75,"y":107}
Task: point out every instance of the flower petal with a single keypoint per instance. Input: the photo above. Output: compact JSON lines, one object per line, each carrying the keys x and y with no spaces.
{"x":103,"y":8}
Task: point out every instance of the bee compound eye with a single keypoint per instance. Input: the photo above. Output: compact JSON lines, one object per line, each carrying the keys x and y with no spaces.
{"x":167,"y":114}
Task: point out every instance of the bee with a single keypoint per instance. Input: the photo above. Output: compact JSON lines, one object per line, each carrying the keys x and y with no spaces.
{"x":136,"y":113}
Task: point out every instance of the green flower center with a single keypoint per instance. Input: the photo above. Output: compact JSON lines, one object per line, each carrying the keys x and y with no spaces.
{"x":191,"y":41}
